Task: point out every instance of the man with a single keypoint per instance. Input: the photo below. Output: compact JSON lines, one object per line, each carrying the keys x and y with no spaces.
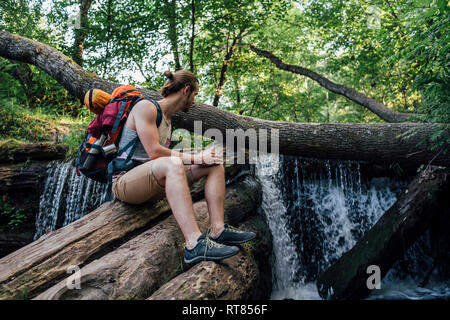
{"x":169,"y":172}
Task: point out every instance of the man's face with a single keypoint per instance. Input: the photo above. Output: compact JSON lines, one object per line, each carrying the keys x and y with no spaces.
{"x":190,"y":100}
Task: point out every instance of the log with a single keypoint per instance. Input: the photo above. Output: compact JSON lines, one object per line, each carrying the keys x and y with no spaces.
{"x":374,"y":142}
{"x":245,"y":276}
{"x":141,"y":265}
{"x":39,"y":265}
{"x":389,"y":239}
{"x":11,"y":152}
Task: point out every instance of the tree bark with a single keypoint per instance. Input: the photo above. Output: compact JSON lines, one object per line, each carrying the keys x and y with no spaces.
{"x":140,"y":266}
{"x":223,"y":71}
{"x":376,"y":107}
{"x":191,"y":48}
{"x":80,"y":34}
{"x":245,"y":276}
{"x":376,"y":143}
{"x":388,"y":240}
{"x":172,"y":31}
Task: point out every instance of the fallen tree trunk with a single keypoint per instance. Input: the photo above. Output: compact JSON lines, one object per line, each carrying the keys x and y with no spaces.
{"x":244,"y":276}
{"x":376,"y":143}
{"x":387,"y":241}
{"x":144,"y":263}
{"x":39,"y":265}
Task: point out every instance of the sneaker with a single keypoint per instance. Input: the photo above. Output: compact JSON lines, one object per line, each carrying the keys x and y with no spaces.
{"x":208,"y":250}
{"x":231,"y":236}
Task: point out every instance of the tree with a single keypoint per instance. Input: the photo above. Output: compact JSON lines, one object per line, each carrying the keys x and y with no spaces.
{"x":378,"y":143}
{"x":225,"y":25}
{"x":170,"y":9}
{"x":80,"y":33}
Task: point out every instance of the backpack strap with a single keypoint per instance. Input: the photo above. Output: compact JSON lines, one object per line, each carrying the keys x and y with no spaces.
{"x":119,"y":116}
{"x":126,"y":92}
{"x":120,"y":165}
{"x":90,"y":98}
{"x":158,"y":109}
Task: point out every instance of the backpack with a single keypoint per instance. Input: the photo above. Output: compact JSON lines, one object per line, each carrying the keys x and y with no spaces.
{"x":97,"y":154}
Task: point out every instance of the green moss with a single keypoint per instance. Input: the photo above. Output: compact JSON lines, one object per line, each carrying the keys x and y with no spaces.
{"x":11,"y":218}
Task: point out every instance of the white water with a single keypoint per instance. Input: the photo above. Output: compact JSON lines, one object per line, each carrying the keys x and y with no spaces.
{"x":285,"y":260}
{"x":66,"y":197}
{"x":317,"y":215}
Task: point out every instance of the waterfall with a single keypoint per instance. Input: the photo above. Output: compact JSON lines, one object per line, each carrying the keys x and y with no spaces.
{"x":66,"y":197}
{"x":318,"y":210}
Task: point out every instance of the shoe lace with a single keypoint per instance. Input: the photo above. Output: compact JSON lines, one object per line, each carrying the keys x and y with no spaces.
{"x":210,"y":244}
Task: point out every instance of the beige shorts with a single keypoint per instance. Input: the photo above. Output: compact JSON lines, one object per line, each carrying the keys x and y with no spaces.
{"x":139,"y":185}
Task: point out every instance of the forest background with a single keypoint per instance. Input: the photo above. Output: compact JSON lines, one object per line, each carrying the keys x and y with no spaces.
{"x":396,"y":52}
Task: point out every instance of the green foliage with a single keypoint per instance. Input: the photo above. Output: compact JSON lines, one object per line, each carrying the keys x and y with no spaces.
{"x":19,"y":124}
{"x":429,"y":51}
{"x":11,"y":218}
{"x":393,"y":51}
{"x":74,"y":139}
{"x":38,"y":124}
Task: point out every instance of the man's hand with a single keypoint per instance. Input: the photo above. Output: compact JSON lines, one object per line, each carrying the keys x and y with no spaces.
{"x":210,"y":157}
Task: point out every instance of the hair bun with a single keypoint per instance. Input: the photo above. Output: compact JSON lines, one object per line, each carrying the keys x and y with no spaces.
{"x":168,"y":74}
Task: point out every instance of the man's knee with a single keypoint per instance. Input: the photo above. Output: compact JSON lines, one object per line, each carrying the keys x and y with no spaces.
{"x":175,"y":165}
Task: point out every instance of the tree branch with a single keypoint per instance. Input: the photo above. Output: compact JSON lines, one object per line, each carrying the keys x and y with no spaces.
{"x":376,"y":107}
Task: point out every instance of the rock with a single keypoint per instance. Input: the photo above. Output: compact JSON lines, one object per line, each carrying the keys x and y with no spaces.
{"x":20,"y":188}
{"x":11,"y":241}
{"x":13,"y":152}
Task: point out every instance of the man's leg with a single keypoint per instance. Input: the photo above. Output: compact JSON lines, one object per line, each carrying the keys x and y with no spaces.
{"x":214,"y":193}
{"x":167,"y":175}
{"x":215,"y":197}
{"x":170,"y":173}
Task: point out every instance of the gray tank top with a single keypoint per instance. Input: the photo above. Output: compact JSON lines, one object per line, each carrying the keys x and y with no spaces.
{"x":165,"y":135}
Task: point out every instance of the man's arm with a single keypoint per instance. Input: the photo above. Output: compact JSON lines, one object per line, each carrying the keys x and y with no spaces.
{"x":145,"y":121}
